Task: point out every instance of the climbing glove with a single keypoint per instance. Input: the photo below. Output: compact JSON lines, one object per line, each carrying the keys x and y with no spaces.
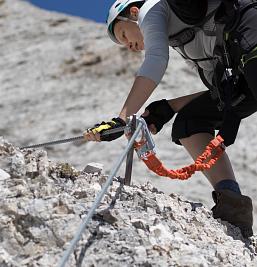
{"x":113,"y":124}
{"x":160,"y":113}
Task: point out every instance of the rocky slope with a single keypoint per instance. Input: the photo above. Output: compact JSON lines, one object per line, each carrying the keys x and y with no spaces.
{"x":61,"y":74}
{"x":42,"y":204}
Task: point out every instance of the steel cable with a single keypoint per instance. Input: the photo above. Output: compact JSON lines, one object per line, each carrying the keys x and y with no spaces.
{"x":98,"y":199}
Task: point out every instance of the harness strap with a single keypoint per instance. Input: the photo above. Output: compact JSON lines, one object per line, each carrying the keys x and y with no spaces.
{"x":206,"y":83}
{"x":247,"y":57}
{"x":230,"y":126}
{"x":187,"y":35}
{"x":205,"y":161}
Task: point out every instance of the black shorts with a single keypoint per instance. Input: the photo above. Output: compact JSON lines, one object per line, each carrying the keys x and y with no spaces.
{"x":202,"y":115}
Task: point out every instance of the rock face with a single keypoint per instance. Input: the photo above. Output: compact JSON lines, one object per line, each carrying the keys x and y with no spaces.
{"x":42,"y":204}
{"x":62,"y":74}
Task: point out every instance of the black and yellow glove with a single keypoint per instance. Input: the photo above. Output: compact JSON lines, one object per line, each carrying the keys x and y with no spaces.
{"x":113,"y":124}
{"x":159,"y":113}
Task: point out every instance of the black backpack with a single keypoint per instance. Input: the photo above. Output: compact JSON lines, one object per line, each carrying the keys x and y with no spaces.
{"x":189,"y":11}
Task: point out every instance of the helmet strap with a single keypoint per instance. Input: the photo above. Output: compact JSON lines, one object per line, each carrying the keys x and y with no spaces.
{"x":126,"y":19}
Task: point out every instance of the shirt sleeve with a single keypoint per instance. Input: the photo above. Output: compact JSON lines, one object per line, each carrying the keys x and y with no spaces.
{"x":154,"y":28}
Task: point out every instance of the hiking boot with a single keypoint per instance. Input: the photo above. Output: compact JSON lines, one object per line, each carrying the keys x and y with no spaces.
{"x":235,"y":209}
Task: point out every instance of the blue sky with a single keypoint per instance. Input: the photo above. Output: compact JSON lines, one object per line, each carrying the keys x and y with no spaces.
{"x":93,"y":9}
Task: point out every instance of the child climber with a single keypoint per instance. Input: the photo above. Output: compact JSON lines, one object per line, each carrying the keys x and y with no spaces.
{"x":219,"y":38}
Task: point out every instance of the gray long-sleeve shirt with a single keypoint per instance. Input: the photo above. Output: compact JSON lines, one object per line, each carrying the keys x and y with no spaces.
{"x":157,"y":22}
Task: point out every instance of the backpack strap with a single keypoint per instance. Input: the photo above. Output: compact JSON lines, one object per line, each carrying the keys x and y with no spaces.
{"x":187,"y":35}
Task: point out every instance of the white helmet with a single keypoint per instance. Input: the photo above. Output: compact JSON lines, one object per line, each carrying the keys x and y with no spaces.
{"x":115,"y":10}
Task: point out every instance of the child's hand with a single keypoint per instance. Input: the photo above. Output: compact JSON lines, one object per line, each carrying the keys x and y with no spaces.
{"x":96,"y":133}
{"x":157,"y":114}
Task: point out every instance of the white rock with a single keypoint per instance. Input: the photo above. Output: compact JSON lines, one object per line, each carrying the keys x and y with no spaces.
{"x":4,"y":175}
{"x":96,"y":187}
{"x":141,"y":254}
{"x":18,"y":166}
{"x":5,"y":259}
{"x":162,"y":236}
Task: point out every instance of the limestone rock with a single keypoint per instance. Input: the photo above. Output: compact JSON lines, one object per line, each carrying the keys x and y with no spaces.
{"x":4,"y":175}
{"x":18,"y":167}
{"x":69,"y":76}
{"x":61,"y":90}
{"x":40,"y":213}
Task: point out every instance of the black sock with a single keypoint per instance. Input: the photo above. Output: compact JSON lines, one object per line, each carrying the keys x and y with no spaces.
{"x":229,"y":185}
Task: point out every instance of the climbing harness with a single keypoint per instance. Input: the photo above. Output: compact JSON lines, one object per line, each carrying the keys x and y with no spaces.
{"x":145,"y":149}
{"x":230,"y":64}
{"x":228,"y":60}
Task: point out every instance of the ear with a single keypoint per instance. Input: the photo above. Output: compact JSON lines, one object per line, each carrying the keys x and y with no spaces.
{"x":134,"y":11}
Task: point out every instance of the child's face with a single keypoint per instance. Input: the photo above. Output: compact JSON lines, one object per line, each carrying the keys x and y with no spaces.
{"x":129,"y":35}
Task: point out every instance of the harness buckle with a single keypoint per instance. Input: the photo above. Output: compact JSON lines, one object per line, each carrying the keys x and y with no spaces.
{"x":242,"y":61}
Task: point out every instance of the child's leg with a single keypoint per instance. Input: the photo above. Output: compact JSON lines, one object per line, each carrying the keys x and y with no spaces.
{"x":195,"y":145}
{"x":194,"y":128}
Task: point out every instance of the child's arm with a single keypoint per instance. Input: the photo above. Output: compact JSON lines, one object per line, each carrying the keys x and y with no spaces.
{"x":139,"y":93}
